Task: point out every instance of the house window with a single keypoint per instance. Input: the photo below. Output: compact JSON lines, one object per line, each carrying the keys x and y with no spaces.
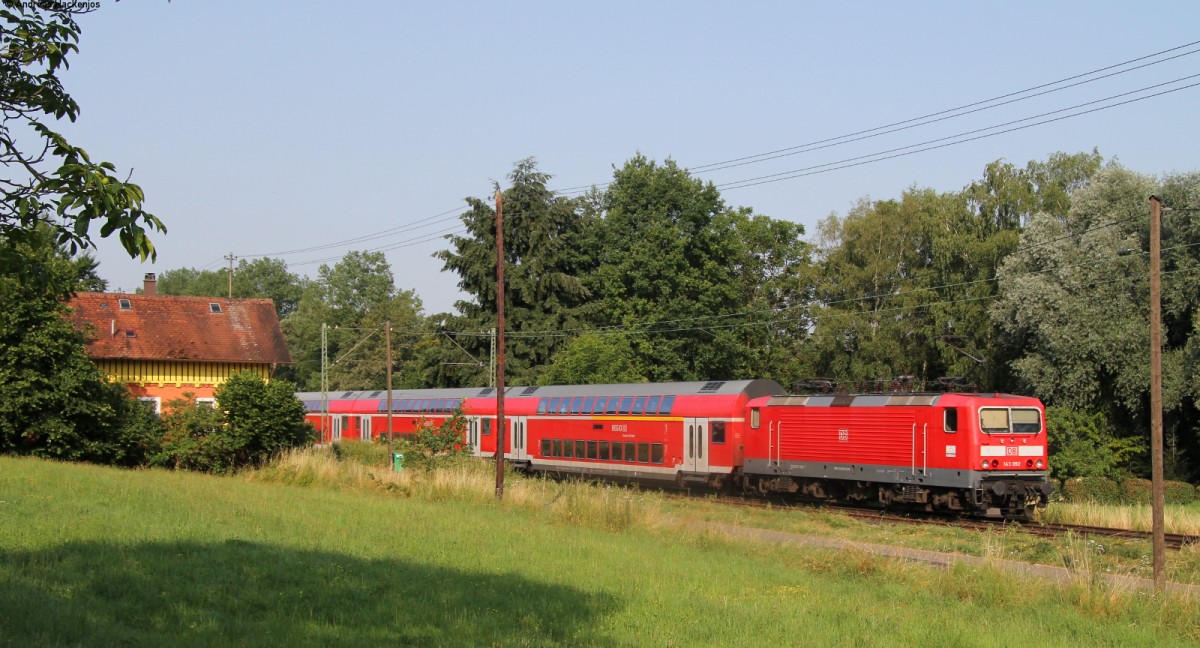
{"x":206,"y":402}
{"x":153,"y":403}
{"x":214,"y":308}
{"x":125,"y":304}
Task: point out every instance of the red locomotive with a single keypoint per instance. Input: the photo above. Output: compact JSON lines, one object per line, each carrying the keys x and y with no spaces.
{"x":960,"y":452}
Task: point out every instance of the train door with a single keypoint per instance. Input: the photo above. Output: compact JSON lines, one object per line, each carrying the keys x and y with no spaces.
{"x":695,"y":451}
{"x":473,"y":434}
{"x":340,"y":422}
{"x":920,"y":450}
{"x":364,"y":427}
{"x":517,"y":441}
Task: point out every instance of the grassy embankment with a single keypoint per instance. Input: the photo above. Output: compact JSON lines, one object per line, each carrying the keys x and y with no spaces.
{"x":320,"y":551}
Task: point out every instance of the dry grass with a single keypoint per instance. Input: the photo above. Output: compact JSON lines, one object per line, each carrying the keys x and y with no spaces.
{"x":595,"y":505}
{"x":1179,"y":519}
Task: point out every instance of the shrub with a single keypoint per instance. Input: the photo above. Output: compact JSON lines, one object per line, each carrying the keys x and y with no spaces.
{"x":253,"y":421}
{"x":1177,"y":492}
{"x":1092,"y":489}
{"x":1136,"y":491}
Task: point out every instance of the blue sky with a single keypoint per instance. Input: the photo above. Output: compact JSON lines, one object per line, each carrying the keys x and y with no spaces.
{"x":260,"y":128}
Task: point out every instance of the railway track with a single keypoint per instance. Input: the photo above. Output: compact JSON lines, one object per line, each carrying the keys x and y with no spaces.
{"x":1171,"y":540}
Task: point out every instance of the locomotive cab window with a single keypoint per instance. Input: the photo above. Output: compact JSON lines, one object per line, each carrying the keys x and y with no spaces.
{"x":1026,"y":420}
{"x":950,"y":420}
{"x":1016,"y":420}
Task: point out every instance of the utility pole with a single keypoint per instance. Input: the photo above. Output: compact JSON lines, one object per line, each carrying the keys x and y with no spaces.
{"x":230,"y":259}
{"x":325,"y":381}
{"x":387,"y":337}
{"x":500,"y":346}
{"x":1158,"y":521}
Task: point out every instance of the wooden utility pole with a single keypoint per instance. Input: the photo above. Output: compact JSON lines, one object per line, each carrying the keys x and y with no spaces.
{"x":499,"y":347}
{"x":230,"y":259}
{"x":1158,"y":520}
{"x":387,"y":340}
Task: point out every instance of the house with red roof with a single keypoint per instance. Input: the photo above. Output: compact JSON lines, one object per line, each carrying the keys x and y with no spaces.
{"x":163,"y":347}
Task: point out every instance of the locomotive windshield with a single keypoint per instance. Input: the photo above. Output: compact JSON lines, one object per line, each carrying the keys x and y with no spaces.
{"x":1005,"y":420}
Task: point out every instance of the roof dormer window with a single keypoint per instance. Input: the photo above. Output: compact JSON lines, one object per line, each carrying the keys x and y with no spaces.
{"x":130,"y":333}
{"x":125,"y":304}
{"x":214,"y":308}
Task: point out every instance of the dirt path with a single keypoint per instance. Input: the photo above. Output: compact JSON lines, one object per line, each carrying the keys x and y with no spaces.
{"x":1058,"y":574}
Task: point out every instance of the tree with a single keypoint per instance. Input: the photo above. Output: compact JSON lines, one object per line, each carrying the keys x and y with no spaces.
{"x":594,"y":359}
{"x":262,"y":278}
{"x":1075,"y":299}
{"x":667,"y":253}
{"x":543,"y":260}
{"x":53,"y":400}
{"x":354,"y":298}
{"x":54,"y":182}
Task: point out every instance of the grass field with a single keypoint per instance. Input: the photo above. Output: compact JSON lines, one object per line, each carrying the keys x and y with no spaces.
{"x":290,"y":556}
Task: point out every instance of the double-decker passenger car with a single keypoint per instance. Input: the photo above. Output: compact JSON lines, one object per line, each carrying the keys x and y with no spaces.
{"x":978,"y":453}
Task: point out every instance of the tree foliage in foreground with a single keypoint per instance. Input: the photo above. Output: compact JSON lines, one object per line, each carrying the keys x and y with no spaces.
{"x":47,"y":180}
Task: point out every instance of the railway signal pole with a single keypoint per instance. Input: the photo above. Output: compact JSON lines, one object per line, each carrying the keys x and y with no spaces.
{"x":499,"y":346}
{"x":1158,"y":521}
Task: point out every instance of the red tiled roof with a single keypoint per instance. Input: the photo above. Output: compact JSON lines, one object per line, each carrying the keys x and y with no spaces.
{"x":169,"y":327}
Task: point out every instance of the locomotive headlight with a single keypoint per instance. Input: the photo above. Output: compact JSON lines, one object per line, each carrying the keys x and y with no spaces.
{"x":983,"y":464}
{"x":1040,"y":464}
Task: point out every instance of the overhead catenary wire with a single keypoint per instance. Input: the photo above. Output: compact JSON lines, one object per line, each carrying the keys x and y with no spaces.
{"x":1045,"y":88}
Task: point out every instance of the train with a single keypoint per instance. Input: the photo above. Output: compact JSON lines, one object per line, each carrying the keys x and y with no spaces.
{"x":979,"y":454}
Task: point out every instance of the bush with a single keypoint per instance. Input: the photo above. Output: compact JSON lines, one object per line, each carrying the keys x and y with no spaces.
{"x":1092,"y":489}
{"x":253,"y":421}
{"x":1141,"y":491}
{"x":363,"y":453}
{"x":1177,"y":492}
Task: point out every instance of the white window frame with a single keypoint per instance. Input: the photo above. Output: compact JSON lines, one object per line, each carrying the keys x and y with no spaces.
{"x":157,"y":400}
{"x":211,"y":402}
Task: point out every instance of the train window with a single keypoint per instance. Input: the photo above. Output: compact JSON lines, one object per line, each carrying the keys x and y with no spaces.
{"x":667,"y":402}
{"x":542,"y":405}
{"x":755,"y":418}
{"x":950,"y":420}
{"x":616,"y":451}
{"x":591,"y":450}
{"x":656,"y":453}
{"x":599,"y":408}
{"x":612,"y":405}
{"x":603,"y":456}
{"x":567,"y":449}
{"x":643,"y":453}
{"x":564,"y":406}
{"x":652,"y":405}
{"x":546,"y":447}
{"x":631,"y":452}
{"x":639,"y":405}
{"x":580,"y":449}
{"x":993,"y":420}
{"x":487,"y":427}
{"x":576,"y":404}
{"x":588,"y":404}
{"x":718,"y":431}
{"x":1026,"y":420}
{"x":626,"y":403}
{"x":553,"y":408}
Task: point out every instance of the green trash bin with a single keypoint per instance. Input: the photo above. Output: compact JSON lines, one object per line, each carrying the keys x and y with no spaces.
{"x":397,"y":462}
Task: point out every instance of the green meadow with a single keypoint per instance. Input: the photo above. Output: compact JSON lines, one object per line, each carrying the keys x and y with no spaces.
{"x":326,"y":553}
